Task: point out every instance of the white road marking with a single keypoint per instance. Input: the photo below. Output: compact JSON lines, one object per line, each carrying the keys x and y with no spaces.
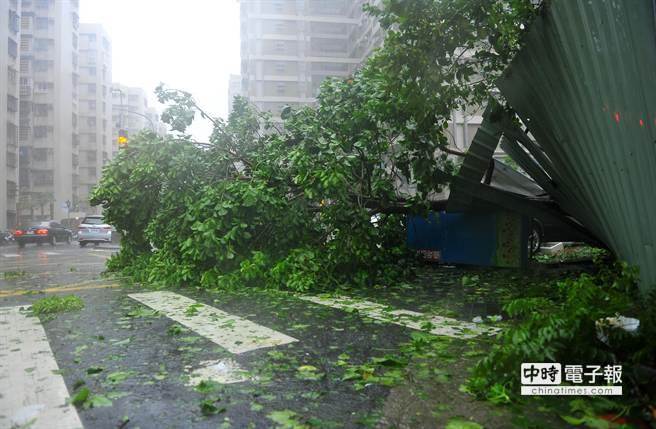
{"x":224,"y":371}
{"x":411,"y":319}
{"x":52,"y":253}
{"x":233,"y":333}
{"x":31,"y":393}
{"x":38,"y":264}
{"x":11,"y":255}
{"x":100,"y":256}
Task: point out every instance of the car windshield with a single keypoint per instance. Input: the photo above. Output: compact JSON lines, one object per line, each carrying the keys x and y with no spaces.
{"x":43,"y":224}
{"x":93,"y":221}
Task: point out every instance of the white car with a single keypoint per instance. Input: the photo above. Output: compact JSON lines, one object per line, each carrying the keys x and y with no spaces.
{"x":93,"y":229}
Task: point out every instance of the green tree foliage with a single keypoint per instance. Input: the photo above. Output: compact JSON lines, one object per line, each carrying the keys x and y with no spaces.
{"x":292,"y":205}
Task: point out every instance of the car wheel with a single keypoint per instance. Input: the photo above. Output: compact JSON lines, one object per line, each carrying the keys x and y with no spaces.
{"x":83,"y":243}
{"x":53,"y":241}
{"x":534,"y":241}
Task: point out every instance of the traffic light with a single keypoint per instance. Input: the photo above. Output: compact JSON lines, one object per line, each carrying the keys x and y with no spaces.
{"x":122,"y":139}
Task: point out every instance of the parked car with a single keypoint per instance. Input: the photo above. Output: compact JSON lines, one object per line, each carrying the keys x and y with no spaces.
{"x":93,"y":229}
{"x":6,"y":237}
{"x":43,"y":232}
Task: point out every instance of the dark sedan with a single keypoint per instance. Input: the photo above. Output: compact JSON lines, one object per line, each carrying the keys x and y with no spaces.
{"x":43,"y":232}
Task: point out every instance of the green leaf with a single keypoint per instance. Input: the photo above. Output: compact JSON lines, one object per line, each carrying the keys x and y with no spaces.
{"x":460,"y":423}
{"x":80,"y":397}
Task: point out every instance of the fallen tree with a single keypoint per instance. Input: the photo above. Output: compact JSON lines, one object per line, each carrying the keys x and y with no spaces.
{"x":292,"y":205}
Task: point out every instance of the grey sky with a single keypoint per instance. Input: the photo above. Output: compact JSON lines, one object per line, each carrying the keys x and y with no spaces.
{"x":187,"y":44}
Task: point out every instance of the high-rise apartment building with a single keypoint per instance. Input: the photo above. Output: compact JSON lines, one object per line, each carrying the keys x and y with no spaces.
{"x":9,"y":105}
{"x":95,"y":109}
{"x":288,"y":47}
{"x":48,"y":132}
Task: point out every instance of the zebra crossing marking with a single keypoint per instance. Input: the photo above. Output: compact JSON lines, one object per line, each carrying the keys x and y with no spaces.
{"x":33,"y":395}
{"x":235,"y":334}
{"x":436,"y":325}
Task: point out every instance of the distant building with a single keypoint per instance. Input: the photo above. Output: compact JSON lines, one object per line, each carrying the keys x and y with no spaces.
{"x":95,"y":110}
{"x":48,"y":131}
{"x":9,"y":106}
{"x":154,"y":118}
{"x":288,"y":47}
{"x":130,"y":112}
{"x":234,"y":89}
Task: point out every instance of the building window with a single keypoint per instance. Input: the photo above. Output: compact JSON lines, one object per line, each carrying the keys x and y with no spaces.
{"x":40,"y":154}
{"x":12,"y":104}
{"x":91,"y":156}
{"x":91,"y":121}
{"x":12,"y":48}
{"x":92,"y":105}
{"x":42,"y":178}
{"x":280,"y":88}
{"x":42,"y":65}
{"x":12,"y":134}
{"x":24,"y":65}
{"x":42,"y":23}
{"x":25,"y":22}
{"x":91,"y":88}
{"x":42,"y":131}
{"x":280,"y":67}
{"x":42,"y":109}
{"x":43,"y":44}
{"x":92,"y":71}
{"x":11,"y":75}
{"x":13,"y":22}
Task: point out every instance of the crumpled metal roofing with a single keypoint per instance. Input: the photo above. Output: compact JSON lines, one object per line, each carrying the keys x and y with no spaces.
{"x":585,"y":86}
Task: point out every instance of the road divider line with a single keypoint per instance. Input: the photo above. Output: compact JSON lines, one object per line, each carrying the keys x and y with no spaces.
{"x":436,"y":325}
{"x":59,"y":289}
{"x":231,"y":332}
{"x":99,"y":256}
{"x":33,"y":395}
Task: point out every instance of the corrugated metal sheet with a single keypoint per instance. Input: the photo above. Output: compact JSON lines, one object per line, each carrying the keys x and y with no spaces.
{"x":478,"y":157}
{"x":585,"y":85}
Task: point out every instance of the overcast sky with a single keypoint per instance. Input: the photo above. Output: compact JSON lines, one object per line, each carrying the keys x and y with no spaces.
{"x":191,"y":45}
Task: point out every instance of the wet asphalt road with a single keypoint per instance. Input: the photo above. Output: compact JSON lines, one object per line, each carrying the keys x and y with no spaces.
{"x":114,"y":334}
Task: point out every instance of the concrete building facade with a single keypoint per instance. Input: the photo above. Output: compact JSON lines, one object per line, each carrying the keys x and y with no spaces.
{"x":48,"y":132}
{"x":95,"y":110}
{"x":9,"y":106}
{"x":288,"y":47}
{"x":234,"y":89}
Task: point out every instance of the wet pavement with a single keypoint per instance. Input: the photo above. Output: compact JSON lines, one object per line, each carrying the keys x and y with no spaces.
{"x":141,"y":366}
